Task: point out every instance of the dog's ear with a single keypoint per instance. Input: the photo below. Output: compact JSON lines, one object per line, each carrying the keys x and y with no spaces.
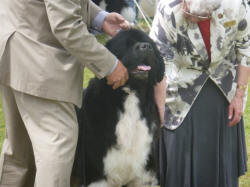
{"x":111,"y":45}
{"x":118,"y":44}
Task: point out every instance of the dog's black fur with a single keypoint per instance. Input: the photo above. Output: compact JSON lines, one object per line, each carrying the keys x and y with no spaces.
{"x":113,"y":5}
{"x":119,"y":6}
{"x":103,"y":108}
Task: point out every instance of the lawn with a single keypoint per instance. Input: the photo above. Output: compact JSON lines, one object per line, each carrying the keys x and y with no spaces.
{"x":244,"y":181}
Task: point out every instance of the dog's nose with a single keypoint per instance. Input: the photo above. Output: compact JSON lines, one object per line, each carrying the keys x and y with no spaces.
{"x":144,"y":46}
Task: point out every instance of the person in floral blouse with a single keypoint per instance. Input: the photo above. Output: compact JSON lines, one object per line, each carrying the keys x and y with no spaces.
{"x":206,"y":48}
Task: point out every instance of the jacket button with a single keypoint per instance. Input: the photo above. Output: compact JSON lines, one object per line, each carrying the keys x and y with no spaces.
{"x":220,"y":16}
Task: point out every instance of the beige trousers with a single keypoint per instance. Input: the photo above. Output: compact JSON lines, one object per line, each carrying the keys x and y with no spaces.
{"x":40,"y":142}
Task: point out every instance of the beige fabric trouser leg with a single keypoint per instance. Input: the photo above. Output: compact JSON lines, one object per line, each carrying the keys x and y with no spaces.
{"x":44,"y":128}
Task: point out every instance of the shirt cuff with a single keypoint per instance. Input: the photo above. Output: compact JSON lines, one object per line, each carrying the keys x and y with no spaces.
{"x":99,"y":19}
{"x":113,"y":68}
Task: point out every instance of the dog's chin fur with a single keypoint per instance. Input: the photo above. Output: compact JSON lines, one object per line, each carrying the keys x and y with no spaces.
{"x":117,"y":128}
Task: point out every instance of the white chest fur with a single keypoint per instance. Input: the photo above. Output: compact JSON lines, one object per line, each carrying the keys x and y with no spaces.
{"x":125,"y":162}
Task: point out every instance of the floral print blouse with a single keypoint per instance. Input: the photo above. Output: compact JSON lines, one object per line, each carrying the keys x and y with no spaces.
{"x":186,"y":60}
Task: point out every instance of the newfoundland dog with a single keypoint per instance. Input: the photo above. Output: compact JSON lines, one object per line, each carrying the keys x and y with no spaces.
{"x":119,"y":128}
{"x":127,"y":11}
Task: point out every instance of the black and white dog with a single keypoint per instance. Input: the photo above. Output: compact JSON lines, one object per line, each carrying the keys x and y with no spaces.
{"x":119,"y":6}
{"x":129,"y":13}
{"x":117,"y":128}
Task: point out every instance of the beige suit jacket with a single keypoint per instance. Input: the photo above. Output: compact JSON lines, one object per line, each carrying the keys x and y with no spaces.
{"x":44,"y":45}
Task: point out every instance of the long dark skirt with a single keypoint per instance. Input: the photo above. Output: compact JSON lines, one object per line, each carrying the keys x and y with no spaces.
{"x":204,"y":151}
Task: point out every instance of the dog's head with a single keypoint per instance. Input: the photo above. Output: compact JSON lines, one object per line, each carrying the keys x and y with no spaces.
{"x":139,"y":54}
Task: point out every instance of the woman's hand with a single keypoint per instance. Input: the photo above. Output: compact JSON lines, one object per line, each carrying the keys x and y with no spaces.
{"x":236,"y":108}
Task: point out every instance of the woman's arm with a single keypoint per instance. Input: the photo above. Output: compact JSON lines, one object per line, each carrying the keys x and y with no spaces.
{"x":243,"y":56}
{"x":160,"y":97}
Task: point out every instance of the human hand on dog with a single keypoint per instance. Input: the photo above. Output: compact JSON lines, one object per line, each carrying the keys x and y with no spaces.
{"x":118,"y":77}
{"x":113,"y":23}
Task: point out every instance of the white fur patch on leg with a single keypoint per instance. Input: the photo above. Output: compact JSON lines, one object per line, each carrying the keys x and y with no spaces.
{"x":101,"y":183}
{"x":148,"y":179}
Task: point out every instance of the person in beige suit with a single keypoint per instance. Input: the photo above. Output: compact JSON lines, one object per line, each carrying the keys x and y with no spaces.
{"x":44,"y":46}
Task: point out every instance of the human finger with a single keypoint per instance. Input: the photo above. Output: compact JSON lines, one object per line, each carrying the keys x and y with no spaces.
{"x":235,"y":120}
{"x":119,"y":17}
{"x":116,"y":85}
{"x":120,"y":83}
{"x":230,"y":112}
{"x":236,"y":117}
{"x":125,"y":25}
{"x":110,"y":81}
{"x":124,"y":80}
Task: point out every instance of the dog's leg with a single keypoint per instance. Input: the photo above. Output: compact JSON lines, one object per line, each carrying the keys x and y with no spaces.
{"x":146,"y":179}
{"x":135,"y":183}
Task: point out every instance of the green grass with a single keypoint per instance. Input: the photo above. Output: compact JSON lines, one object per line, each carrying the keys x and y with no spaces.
{"x":1,"y":125}
{"x":244,"y":180}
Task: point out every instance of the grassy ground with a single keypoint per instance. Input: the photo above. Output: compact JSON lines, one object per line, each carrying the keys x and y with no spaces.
{"x":1,"y":125}
{"x":244,"y":180}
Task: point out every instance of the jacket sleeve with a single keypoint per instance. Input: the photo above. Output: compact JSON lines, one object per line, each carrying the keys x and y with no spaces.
{"x":243,"y":35}
{"x":69,"y":20}
{"x":93,"y":11}
{"x":164,"y":34}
